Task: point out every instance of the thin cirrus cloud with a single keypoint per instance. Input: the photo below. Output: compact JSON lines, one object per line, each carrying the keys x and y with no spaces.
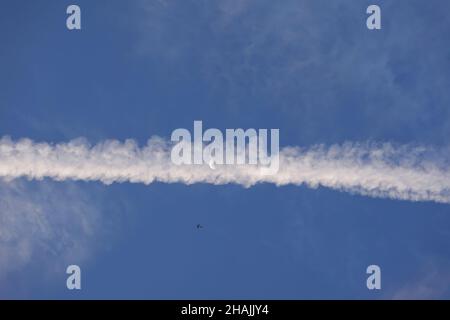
{"x":44,"y":224}
{"x":376,"y":170}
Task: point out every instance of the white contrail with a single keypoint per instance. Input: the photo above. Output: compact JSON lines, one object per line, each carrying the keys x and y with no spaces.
{"x":377,"y":170}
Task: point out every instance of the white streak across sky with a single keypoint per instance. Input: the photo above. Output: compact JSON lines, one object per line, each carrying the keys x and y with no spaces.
{"x":377,"y":170}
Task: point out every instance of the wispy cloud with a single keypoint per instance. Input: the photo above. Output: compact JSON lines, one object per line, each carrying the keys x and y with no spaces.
{"x":44,"y":227}
{"x":312,"y":62}
{"x":377,"y":170}
{"x":434,"y":283}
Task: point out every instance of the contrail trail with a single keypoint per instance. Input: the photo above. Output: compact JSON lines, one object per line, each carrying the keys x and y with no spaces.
{"x":377,"y":170}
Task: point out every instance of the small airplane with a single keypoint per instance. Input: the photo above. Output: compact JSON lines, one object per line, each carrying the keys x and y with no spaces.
{"x":199,"y":226}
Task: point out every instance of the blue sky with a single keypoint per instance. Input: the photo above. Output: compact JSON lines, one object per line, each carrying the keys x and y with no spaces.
{"x":144,"y":68}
